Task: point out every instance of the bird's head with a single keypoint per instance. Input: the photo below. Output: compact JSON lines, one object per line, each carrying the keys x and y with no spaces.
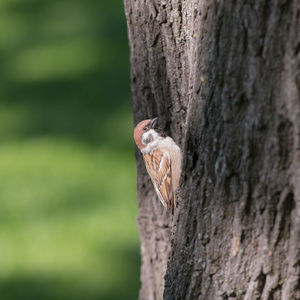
{"x":146,"y":132}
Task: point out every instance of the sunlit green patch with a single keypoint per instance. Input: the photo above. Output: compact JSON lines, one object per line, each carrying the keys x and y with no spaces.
{"x":67,"y":210}
{"x":13,"y":29}
{"x":62,"y":60}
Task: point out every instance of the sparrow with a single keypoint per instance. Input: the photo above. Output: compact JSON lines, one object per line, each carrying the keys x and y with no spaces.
{"x":162,"y":158}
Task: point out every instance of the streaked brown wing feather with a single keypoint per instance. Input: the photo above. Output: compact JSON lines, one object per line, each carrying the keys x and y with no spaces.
{"x":159,"y":168}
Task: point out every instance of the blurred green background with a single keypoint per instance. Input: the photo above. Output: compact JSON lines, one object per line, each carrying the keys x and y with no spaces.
{"x":67,"y":171}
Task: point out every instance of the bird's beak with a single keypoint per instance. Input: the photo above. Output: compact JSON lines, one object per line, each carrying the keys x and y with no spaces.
{"x":153,"y":122}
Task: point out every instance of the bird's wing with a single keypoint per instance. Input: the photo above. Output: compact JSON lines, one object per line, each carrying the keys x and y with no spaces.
{"x":158,"y":166}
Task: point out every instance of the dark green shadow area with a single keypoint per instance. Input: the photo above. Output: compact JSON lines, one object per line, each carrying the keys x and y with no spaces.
{"x":41,"y":286}
{"x":67,"y":176}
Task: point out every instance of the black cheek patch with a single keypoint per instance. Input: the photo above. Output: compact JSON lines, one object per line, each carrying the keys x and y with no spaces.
{"x":149,"y":139}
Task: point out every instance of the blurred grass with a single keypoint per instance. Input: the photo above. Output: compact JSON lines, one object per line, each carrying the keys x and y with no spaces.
{"x":67,"y":174}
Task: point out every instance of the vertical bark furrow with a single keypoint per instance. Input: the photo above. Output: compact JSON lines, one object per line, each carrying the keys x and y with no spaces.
{"x":246,"y":149}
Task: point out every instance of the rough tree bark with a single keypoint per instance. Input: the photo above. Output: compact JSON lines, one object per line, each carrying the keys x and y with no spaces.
{"x":224,"y":79}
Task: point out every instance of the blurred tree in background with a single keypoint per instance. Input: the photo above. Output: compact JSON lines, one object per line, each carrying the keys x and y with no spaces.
{"x":67,"y":176}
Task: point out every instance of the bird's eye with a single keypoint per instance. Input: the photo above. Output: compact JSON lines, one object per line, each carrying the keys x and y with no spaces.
{"x":145,"y":128}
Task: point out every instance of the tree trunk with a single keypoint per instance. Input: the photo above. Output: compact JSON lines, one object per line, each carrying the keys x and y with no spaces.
{"x":224,"y":79}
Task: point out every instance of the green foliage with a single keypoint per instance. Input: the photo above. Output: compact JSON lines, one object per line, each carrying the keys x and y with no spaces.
{"x":67,"y":176}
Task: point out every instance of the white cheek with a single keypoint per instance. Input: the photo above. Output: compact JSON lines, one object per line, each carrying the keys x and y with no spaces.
{"x":145,"y":135}
{"x":149,"y":136}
